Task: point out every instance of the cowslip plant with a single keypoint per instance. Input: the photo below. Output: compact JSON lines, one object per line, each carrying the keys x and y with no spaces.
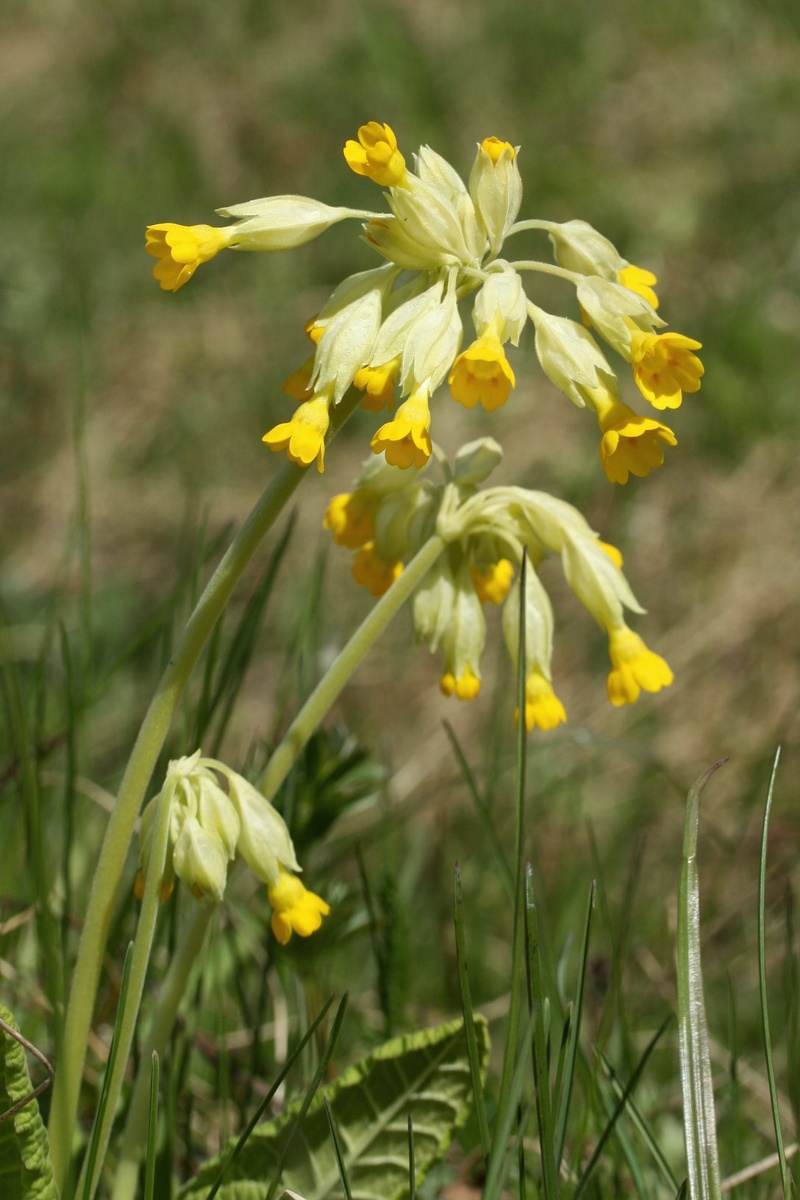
{"x":390,"y":335}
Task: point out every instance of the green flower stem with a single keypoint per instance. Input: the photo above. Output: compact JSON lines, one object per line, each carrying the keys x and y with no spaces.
{"x":281,"y":762}
{"x":132,"y":791}
{"x":142,"y":945}
{"x":163,"y":1021}
{"x":346,"y":663}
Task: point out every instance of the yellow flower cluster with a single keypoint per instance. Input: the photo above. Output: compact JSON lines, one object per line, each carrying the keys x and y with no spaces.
{"x":391,"y":513}
{"x":209,"y":825}
{"x":395,"y":332}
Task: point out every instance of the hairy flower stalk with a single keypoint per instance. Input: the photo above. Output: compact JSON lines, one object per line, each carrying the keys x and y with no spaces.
{"x":395,"y":332}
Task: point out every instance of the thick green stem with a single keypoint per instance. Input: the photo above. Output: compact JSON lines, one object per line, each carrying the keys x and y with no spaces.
{"x":345,"y":664}
{"x":132,"y":791}
{"x":142,"y":945}
{"x":172,"y":990}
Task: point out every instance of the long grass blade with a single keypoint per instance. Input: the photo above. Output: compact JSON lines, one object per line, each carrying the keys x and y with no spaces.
{"x":643,"y":1127}
{"x":563,"y":1092}
{"x":99,"y":1117}
{"x":322,"y":1067}
{"x":501,"y":1147}
{"x":541,"y":1066}
{"x":265,"y":1103}
{"x":469,"y":1020}
{"x":150,"y":1159}
{"x":762,"y":983}
{"x":485,"y":817}
{"x":621,"y":1105}
{"x":698,"y":1093}
{"x":337,"y":1149}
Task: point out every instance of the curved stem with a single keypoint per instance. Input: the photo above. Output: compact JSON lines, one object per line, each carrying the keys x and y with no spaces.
{"x":533,"y":264}
{"x":343,"y":667}
{"x":163,"y":1021}
{"x":132,"y":791}
{"x":142,"y":944}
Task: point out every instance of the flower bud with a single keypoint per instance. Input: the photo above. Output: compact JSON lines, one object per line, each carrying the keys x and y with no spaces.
{"x":496,"y":188}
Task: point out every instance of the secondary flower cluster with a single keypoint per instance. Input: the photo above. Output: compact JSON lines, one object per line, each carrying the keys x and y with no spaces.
{"x":395,"y":332}
{"x":207,"y":826}
{"x":391,"y":513}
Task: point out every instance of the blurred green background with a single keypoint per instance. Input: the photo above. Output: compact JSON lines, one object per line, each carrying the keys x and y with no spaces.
{"x":674,"y":130}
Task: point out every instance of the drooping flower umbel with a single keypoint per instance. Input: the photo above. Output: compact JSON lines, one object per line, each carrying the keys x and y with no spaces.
{"x":395,"y":332}
{"x":391,"y":513}
{"x":208,"y":826}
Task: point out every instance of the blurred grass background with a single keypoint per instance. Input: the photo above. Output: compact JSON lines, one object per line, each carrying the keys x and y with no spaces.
{"x":132,"y":422}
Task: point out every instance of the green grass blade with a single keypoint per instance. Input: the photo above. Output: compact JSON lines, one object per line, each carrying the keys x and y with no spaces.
{"x":265,"y":1103}
{"x":152,"y":1129}
{"x":487,"y":824}
{"x":792,"y":994}
{"x":337,"y":1146}
{"x":563,"y":1092}
{"x":541,"y":1066}
{"x":499,"y":1158}
{"x":786,"y":1183}
{"x":319,"y":1074}
{"x":734,"y":1137}
{"x":643,"y":1127}
{"x":88,"y":1170}
{"x":621,"y":1106}
{"x":469,"y":1019}
{"x":696,"y":1082}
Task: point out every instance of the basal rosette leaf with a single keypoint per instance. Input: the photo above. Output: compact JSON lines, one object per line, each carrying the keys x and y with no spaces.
{"x":25,"y":1169}
{"x":423,"y":1074}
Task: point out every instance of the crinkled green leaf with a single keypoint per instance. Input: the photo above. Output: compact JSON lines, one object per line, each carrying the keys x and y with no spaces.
{"x":425,"y":1074}
{"x":25,"y":1169}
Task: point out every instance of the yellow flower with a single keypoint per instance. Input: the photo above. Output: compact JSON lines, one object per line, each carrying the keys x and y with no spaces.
{"x":466,"y":687}
{"x":313,"y":331}
{"x":543,"y":709}
{"x":406,"y":440}
{"x":373,"y":572}
{"x":375,"y":155}
{"x":298,"y":384}
{"x":482,"y":373}
{"x":634,"y":668}
{"x":303,"y":438}
{"x":664,"y":367}
{"x":377,"y":384}
{"x":637,"y":279}
{"x":351,"y":517}
{"x":493,"y":582}
{"x":630,"y":445}
{"x":180,"y":249}
{"x":295,"y":909}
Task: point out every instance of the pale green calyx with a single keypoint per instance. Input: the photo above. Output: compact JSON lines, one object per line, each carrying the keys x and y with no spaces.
{"x":207,"y":826}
